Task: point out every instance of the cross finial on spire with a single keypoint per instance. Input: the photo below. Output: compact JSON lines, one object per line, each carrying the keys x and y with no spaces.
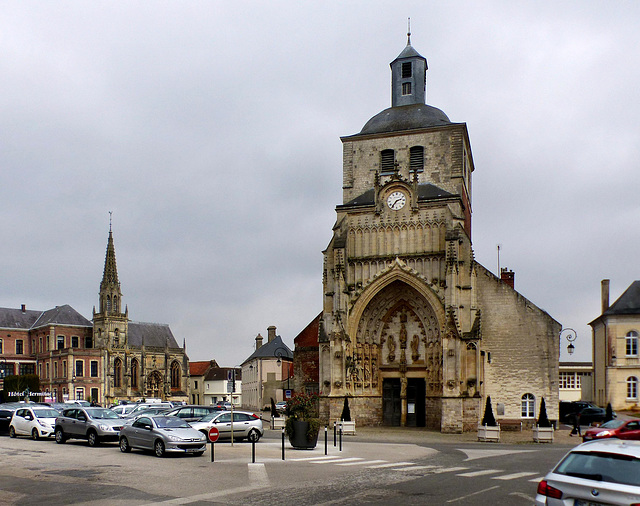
{"x":110,"y":213}
{"x":408,"y":31}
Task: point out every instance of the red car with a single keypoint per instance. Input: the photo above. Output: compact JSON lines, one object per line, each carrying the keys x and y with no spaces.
{"x":621,"y":429}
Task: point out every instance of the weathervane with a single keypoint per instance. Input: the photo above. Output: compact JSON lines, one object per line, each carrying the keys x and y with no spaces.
{"x":408,"y":31}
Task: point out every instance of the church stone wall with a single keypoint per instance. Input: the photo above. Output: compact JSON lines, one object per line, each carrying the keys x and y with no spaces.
{"x":523,"y":343}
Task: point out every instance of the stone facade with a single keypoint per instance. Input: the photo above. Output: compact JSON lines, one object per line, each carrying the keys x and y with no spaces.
{"x":413,"y":329}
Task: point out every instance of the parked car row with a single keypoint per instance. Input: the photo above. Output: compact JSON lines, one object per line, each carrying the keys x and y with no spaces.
{"x":158,"y":428}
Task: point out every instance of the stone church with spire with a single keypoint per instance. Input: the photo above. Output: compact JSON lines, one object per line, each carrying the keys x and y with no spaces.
{"x":413,"y":330}
{"x":105,"y":360}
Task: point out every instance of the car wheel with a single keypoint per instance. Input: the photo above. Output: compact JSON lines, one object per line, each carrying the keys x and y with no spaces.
{"x":158,"y":447}
{"x":60,"y":436}
{"x":12,"y":431}
{"x":92,"y":437}
{"x":254,"y":436}
{"x":34,"y":434}
{"x":124,"y":445}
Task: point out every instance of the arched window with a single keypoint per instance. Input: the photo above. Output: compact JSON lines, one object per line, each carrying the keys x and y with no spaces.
{"x":632,"y":344}
{"x":116,"y":338}
{"x":175,"y":375}
{"x":528,"y":406}
{"x":134,"y":373}
{"x":632,"y":387}
{"x":416,"y":159}
{"x":108,"y":304}
{"x":117,"y":373}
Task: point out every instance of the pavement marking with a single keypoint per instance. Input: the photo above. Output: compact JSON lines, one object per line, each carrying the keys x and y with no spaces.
{"x":537,"y":480}
{"x":513,"y":476}
{"x":462,"y":498}
{"x":392,"y":464}
{"x":258,"y":475}
{"x":481,"y":454}
{"x":449,"y":470}
{"x":313,"y":458}
{"x":335,"y":461}
{"x":482,"y":472}
{"x":413,"y":467}
{"x":362,"y":463}
{"x":523,"y":496}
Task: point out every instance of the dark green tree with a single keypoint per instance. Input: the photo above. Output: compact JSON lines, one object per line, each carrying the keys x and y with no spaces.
{"x":543,"y":419}
{"x":346,"y":412}
{"x":488,"y":418}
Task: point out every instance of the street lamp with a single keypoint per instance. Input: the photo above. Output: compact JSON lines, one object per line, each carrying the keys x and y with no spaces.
{"x":570,"y":335}
{"x":283,"y":352}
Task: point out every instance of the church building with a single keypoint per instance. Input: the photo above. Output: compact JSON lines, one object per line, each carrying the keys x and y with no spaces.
{"x":413,"y":330}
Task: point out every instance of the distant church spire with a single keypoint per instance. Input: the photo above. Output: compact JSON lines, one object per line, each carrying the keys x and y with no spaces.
{"x":408,"y":76}
{"x":110,"y":294}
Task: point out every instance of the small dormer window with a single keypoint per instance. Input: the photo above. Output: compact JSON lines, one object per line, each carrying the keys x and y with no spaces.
{"x":406,"y":70}
{"x":387,"y":161}
{"x":406,"y":88}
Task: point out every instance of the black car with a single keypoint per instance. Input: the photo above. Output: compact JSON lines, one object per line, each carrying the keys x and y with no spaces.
{"x":569,"y":409}
{"x":6,"y":412}
{"x":589,"y":415}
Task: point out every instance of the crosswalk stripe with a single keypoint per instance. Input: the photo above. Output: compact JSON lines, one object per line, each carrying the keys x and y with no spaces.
{"x":313,"y":458}
{"x":392,"y":464}
{"x":449,"y":469}
{"x":482,"y":472}
{"x":513,"y":476}
{"x":536,"y":480}
{"x":362,"y":463}
{"x":351,"y":459}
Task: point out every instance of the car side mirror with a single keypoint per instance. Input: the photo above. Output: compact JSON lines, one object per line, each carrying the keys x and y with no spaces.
{"x":147,"y":426}
{"x":28,"y":417}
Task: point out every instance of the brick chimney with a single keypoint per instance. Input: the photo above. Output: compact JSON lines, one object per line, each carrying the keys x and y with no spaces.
{"x":24,"y":308}
{"x":604,"y":294}
{"x":258,"y":341}
{"x":271,"y":333}
{"x":508,"y":277}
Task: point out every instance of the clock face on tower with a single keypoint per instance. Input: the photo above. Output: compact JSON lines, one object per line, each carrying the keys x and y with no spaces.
{"x":396,"y":200}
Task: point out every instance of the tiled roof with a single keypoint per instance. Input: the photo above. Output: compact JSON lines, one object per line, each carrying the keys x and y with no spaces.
{"x":628,"y":302}
{"x":151,"y":334}
{"x":274,"y":349}
{"x":200,"y":368}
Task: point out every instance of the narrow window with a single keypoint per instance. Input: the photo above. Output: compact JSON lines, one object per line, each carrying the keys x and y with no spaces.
{"x":117,"y":373}
{"x":134,"y":373}
{"x":55,"y":369}
{"x":632,"y":344}
{"x":94,"y":368}
{"x":19,"y":347}
{"x":60,"y":344}
{"x":632,"y":387}
{"x":175,"y":375}
{"x":387,"y":161}
{"x":528,"y":406}
{"x":88,"y":342}
{"x":74,"y":341}
{"x":94,"y":395}
{"x":406,"y":70}
{"x":79,"y":368}
{"x":416,"y":159}
{"x":406,"y":88}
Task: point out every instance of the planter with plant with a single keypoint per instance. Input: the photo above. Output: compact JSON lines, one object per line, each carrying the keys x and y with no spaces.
{"x":543,"y":430}
{"x":302,"y":424}
{"x":488,"y":430}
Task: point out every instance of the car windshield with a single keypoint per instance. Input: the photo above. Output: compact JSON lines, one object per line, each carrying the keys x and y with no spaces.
{"x":171,"y":422}
{"x":612,"y":424}
{"x":102,"y":413}
{"x":209,"y":417}
{"x":46,"y":413}
{"x":601,"y":466}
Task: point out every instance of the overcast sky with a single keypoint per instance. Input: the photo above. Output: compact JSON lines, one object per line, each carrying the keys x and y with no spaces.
{"x":211,"y":130}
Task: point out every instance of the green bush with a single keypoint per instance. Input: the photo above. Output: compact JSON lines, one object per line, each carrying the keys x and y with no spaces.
{"x":303,"y":408}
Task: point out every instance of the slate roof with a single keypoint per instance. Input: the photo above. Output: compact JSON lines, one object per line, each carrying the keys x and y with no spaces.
{"x":221,"y":373}
{"x":151,"y":334}
{"x":274,"y":349}
{"x":405,"y":117}
{"x":627,"y":303}
{"x":426,"y":191}
{"x":30,"y":319}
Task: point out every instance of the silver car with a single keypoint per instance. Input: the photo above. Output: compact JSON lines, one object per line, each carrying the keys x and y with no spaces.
{"x":245,"y":425}
{"x":162,"y":434}
{"x":93,"y":424}
{"x":594,"y":473}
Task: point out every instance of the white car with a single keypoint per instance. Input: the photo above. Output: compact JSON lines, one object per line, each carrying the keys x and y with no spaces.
{"x":36,"y":421}
{"x":594,"y":474}
{"x":123,"y":409}
{"x":245,"y":425}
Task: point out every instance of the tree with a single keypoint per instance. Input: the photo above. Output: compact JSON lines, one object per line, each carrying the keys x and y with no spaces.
{"x":488,"y":418}
{"x":346,"y":413}
{"x":23,"y":384}
{"x":543,"y":419}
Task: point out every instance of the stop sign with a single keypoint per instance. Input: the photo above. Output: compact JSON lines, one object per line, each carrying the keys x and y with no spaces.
{"x":213,"y":434}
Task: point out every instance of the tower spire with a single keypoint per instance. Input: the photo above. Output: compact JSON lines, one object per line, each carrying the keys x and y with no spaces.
{"x":110,"y":294}
{"x":408,"y":31}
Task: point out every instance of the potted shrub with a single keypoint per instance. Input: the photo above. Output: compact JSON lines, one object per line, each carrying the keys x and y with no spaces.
{"x":543,"y":430}
{"x":345,"y":423}
{"x":488,"y":430}
{"x":302,"y":424}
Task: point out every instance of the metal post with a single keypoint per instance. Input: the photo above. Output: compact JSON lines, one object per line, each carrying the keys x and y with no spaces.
{"x":334,"y":435}
{"x":282,"y":443}
{"x":253,"y":452}
{"x":340,"y":438}
{"x":325,"y":439}
{"x":212,"y":446}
